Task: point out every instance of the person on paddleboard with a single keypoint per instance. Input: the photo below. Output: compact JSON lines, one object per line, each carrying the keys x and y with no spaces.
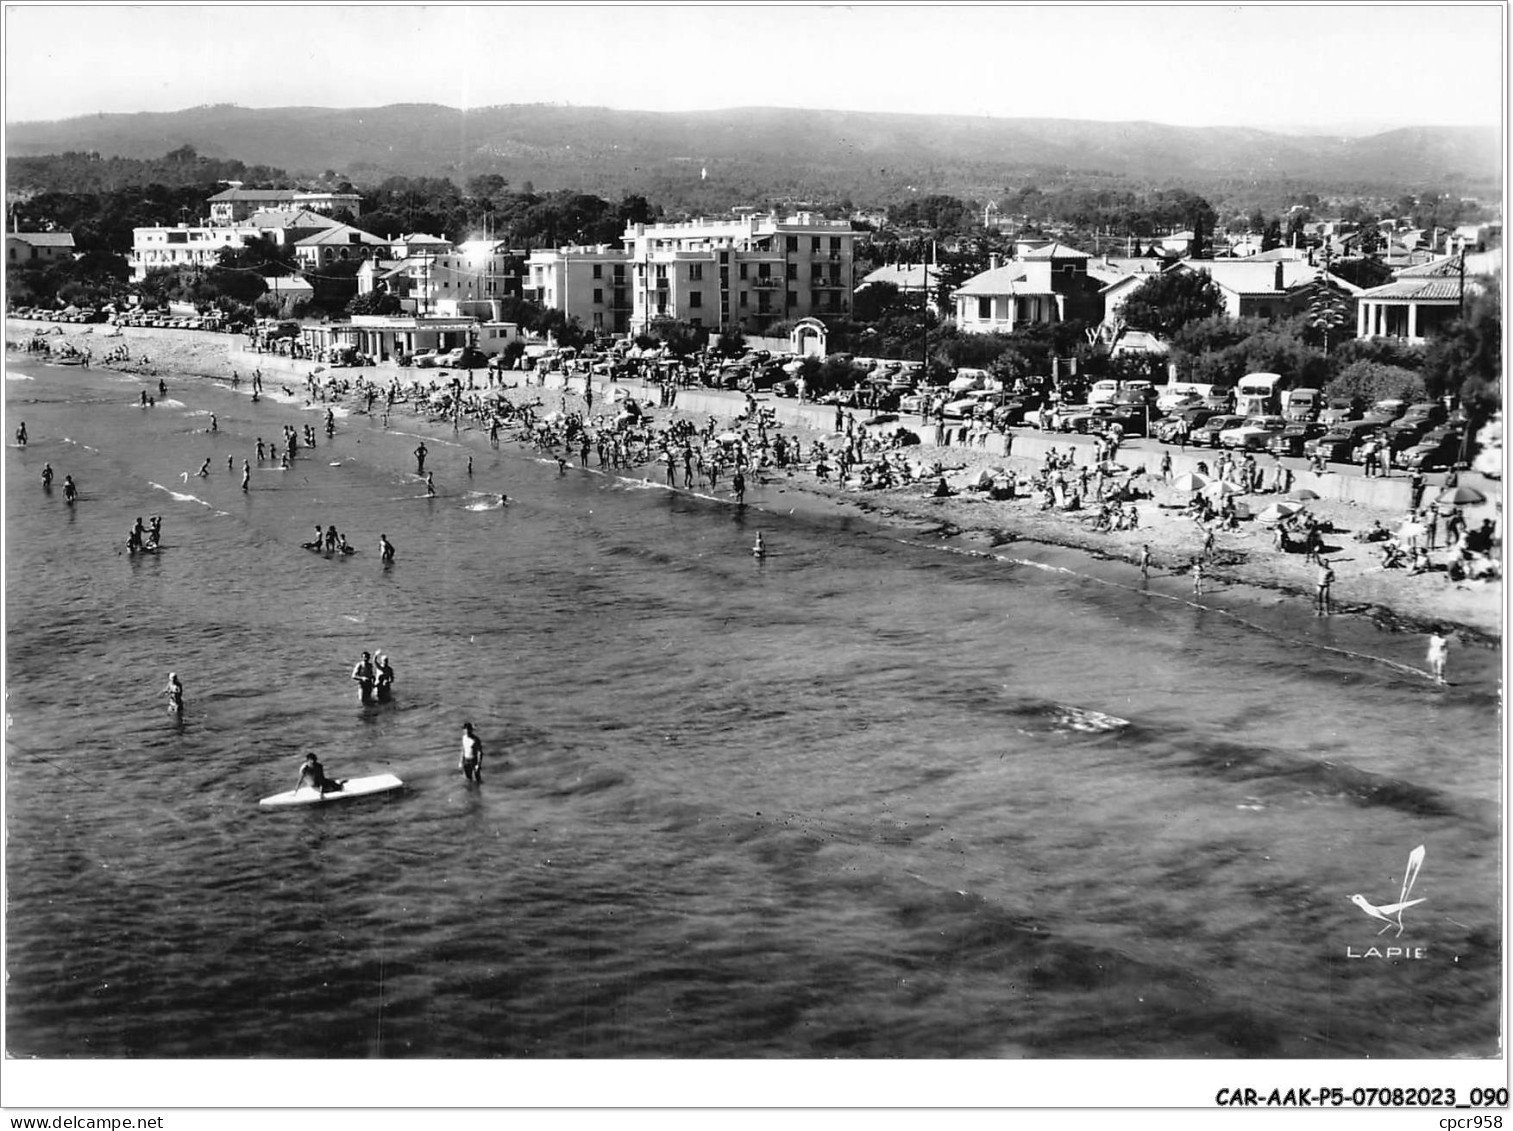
{"x":364,"y":676}
{"x":472,"y":755}
{"x":313,"y":775}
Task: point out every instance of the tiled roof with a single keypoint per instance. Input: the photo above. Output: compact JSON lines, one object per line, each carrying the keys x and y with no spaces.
{"x":253,"y":195}
{"x":1448,"y":267}
{"x":340,"y":235}
{"x":904,"y":276}
{"x":1419,"y":290}
{"x":1056,"y":251}
{"x":1008,"y":280}
{"x":1246,"y":277}
{"x":44,"y":239}
{"x":289,"y":218}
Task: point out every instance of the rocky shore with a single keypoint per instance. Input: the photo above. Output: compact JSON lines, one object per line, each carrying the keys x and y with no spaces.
{"x":1245,"y":560}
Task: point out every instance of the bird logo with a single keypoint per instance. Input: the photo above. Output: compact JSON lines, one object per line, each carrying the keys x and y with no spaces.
{"x":1392,"y":913}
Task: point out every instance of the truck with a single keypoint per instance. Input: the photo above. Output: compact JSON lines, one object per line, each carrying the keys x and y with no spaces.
{"x":1260,"y":394}
{"x":1302,"y":404}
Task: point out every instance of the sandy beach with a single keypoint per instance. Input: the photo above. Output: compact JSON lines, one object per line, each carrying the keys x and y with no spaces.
{"x":1246,"y":565}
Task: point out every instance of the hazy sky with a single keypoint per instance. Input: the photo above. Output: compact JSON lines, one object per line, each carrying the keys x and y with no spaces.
{"x":1345,"y":66}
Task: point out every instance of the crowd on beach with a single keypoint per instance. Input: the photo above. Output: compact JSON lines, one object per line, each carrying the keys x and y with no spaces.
{"x":1088,"y":495}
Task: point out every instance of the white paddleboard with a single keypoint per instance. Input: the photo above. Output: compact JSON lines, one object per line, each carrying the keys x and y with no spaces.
{"x":351,"y":787}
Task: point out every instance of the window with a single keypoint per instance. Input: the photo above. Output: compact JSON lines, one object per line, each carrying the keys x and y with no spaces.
{"x":743,"y":270}
{"x":764,"y":270}
{"x":695,"y":299}
{"x":661,"y":271}
{"x":791,"y":298}
{"x":619,"y":272}
{"x":835,"y":244}
{"x":598,"y":270}
{"x":793,"y":243}
{"x":985,"y":307}
{"x":793,"y":271}
{"x":695,"y":272}
{"x":598,"y":296}
{"x":814,"y":243}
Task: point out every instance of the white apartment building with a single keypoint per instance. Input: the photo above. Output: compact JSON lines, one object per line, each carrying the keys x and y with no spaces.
{"x":754,"y":270}
{"x":182,"y":246}
{"x":750,"y":271}
{"x":591,"y":284}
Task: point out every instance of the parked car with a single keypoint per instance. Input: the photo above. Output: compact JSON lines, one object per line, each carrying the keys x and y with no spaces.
{"x":425,"y":359}
{"x":1130,"y":418}
{"x":1195,"y":416}
{"x":1406,"y":432}
{"x":1221,"y":398}
{"x":1337,"y":411}
{"x":1070,"y":417}
{"x":1338,"y":444}
{"x":1253,"y":433}
{"x":1385,"y":412}
{"x":960,"y":408}
{"x":1290,"y":440}
{"x":1439,"y":448}
{"x":1207,"y":434}
{"x":464,"y":357}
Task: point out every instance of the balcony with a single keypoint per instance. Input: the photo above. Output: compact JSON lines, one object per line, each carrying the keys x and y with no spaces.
{"x":766,"y":284}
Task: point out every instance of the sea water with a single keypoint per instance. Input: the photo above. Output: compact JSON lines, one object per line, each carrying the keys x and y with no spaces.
{"x":878,"y":794}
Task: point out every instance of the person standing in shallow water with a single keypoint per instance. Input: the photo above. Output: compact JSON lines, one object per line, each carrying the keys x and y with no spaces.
{"x":1322,"y":603}
{"x":385,"y":550}
{"x":1439,"y":647}
{"x":175,"y":693}
{"x":364,"y":675}
{"x":420,"y":458}
{"x":471,"y":762}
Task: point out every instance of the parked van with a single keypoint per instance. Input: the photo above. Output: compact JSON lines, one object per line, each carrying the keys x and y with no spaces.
{"x":1260,"y":394}
{"x":1302,"y":404}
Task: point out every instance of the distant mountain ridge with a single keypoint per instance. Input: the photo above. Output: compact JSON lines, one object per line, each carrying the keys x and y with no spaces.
{"x":866,"y":156}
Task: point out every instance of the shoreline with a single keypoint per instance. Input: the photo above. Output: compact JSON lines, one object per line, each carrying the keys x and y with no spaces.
{"x":1394,"y":599}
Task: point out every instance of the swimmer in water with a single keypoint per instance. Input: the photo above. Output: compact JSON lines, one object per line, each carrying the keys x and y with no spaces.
{"x":204,"y":470}
{"x":21,"y":434}
{"x":70,"y":489}
{"x":760,"y":549}
{"x":47,"y":476}
{"x":212,"y":422}
{"x":430,"y":486}
{"x":246,"y":474}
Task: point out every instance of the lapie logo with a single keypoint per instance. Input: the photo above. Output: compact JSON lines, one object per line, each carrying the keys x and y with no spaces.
{"x":1391,"y":914}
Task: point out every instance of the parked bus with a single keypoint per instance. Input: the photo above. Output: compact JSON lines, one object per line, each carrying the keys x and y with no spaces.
{"x":1260,"y":394}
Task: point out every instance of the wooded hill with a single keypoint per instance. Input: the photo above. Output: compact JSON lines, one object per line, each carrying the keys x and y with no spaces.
{"x":777,"y":154}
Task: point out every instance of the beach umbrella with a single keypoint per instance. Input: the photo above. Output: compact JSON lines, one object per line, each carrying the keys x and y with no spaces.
{"x":1278,"y":511}
{"x":1192,"y":481}
{"x":1302,"y":495}
{"x":1461,"y":497}
{"x":728,"y":437}
{"x":1221,"y":487}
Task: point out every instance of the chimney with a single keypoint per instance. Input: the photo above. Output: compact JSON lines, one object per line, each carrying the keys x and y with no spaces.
{"x":994,"y":262}
{"x":1280,"y":276}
